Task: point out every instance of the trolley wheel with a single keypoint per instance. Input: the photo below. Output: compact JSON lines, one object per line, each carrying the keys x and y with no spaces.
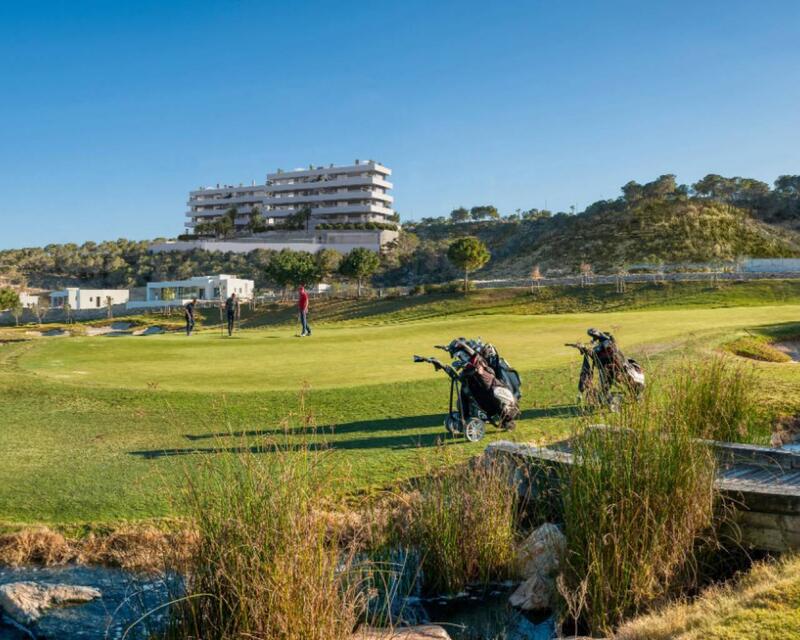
{"x":474,"y":429}
{"x":452,"y":423}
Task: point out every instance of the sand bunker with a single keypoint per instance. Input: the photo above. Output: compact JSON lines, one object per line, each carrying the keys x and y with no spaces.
{"x":149,"y":331}
{"x":790,"y":347}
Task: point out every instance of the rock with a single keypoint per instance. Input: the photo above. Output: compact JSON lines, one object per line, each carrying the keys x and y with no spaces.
{"x":540,"y":559}
{"x":25,"y":602}
{"x":421,"y":632}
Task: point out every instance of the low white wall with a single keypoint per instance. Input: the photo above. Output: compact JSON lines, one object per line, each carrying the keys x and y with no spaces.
{"x":342,"y":241}
{"x":772,"y":265}
{"x":247,"y":247}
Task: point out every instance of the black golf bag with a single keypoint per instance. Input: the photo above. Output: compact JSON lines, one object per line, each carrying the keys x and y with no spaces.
{"x":483,"y":388}
{"x":614,"y":371}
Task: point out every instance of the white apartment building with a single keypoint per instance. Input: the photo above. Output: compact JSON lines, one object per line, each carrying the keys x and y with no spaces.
{"x":173,"y":293}
{"x":346,"y":195}
{"x":80,"y":299}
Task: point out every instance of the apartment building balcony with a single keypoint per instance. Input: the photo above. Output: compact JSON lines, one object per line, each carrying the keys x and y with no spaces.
{"x":296,"y":199}
{"x":364,"y":167}
{"x":349,"y":219}
{"x":375,"y":181}
{"x":214,"y":192}
{"x":344,"y":210}
{"x":211,"y":213}
{"x":226,"y":202}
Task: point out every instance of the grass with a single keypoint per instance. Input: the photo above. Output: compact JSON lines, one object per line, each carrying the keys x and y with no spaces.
{"x":99,"y":430}
{"x":761,"y":604}
{"x":651,"y":471}
{"x":757,"y":348}
{"x":634,"y":503}
{"x":520,"y":301}
{"x":463,"y":519}
{"x":717,"y":399}
{"x":266,"y":565}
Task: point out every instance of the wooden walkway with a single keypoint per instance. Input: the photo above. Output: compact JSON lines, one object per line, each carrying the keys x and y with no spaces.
{"x":762,"y":484}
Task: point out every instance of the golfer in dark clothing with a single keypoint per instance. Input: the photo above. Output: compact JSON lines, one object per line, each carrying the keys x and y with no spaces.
{"x":230,"y":312}
{"x":302,"y":304}
{"x":188,"y":311}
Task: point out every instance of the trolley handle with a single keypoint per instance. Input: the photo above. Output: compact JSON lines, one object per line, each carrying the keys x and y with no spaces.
{"x":577,"y":345}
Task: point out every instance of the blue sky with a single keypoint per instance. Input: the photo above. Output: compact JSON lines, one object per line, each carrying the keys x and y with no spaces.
{"x":110,"y":112}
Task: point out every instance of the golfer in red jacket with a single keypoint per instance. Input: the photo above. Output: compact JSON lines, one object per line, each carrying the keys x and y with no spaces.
{"x":302,"y":304}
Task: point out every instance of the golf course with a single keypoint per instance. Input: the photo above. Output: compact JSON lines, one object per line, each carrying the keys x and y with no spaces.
{"x":100,"y":430}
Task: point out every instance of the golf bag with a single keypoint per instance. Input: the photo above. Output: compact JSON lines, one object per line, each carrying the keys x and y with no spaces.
{"x":614,"y":371}
{"x":483,"y":388}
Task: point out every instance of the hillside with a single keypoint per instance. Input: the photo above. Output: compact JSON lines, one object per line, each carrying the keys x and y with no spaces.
{"x":689,"y":230}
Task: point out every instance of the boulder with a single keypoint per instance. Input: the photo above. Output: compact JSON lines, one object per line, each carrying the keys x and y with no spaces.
{"x":539,"y":559}
{"x":26,"y":602}
{"x":421,"y":632}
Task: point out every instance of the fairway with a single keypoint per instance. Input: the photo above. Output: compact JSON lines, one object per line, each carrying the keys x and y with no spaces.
{"x":102,"y":429}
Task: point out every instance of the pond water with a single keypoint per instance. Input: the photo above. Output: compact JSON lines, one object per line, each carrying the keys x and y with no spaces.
{"x":488,"y":618}
{"x":126,"y":597}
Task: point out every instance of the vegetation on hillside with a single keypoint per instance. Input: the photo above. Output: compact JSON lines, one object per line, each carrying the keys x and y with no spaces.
{"x":716,"y":219}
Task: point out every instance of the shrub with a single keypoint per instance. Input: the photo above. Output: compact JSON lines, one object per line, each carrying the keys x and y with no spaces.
{"x":463,"y":524}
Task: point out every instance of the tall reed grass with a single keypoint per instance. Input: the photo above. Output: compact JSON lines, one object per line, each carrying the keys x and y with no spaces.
{"x":463,"y":523}
{"x":266,"y":564}
{"x":716,"y":399}
{"x":635,"y":501}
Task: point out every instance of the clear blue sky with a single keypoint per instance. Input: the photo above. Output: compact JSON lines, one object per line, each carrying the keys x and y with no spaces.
{"x":111,"y":111}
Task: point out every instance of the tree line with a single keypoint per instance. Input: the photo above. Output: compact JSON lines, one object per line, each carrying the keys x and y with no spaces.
{"x":125,"y":264}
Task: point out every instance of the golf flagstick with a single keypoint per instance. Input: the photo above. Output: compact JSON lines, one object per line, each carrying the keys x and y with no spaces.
{"x":221,"y":326}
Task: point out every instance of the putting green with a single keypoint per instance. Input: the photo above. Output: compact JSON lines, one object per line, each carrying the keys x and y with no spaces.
{"x":352,"y":356}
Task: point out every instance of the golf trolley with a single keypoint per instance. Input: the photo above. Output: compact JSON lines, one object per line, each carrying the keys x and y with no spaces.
{"x":617,"y":375}
{"x":483,"y":388}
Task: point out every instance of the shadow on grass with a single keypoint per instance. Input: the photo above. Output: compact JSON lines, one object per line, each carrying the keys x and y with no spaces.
{"x":395,"y":442}
{"x":385,"y":424}
{"x":391,"y":442}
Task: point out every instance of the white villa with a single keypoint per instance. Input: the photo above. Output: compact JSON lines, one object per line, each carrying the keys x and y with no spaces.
{"x":28,"y":300}
{"x":79,"y":299}
{"x":173,"y":293}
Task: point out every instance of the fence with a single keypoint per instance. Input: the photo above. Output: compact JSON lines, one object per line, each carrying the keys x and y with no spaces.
{"x":349,"y":291}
